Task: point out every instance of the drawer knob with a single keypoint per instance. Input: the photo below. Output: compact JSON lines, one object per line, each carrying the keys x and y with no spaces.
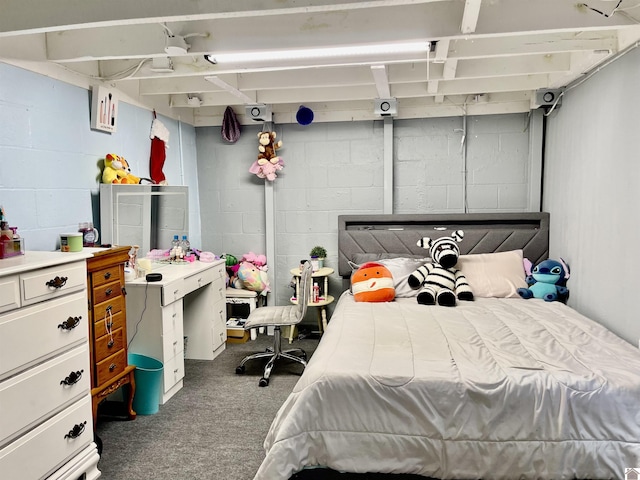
{"x":107,"y":275}
{"x":57,"y":282}
{"x":76,"y":431}
{"x":112,"y":367}
{"x":108,"y":292}
{"x":70,"y":323}
{"x":74,"y":377}
{"x":110,"y":344}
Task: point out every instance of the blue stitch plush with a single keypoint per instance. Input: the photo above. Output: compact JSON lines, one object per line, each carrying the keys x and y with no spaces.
{"x":547,"y":280}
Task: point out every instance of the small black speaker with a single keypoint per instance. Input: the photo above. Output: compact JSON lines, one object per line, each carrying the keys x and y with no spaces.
{"x":153,"y":277}
{"x":548,"y":98}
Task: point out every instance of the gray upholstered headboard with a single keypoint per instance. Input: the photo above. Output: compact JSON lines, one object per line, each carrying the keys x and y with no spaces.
{"x":483,"y":233}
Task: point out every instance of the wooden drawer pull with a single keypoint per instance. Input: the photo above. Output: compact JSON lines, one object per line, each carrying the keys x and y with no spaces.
{"x":76,"y":431}
{"x":108,"y":292}
{"x":57,"y":282}
{"x":112,"y":367}
{"x":74,"y":377}
{"x":70,"y":323}
{"x":107,"y":275}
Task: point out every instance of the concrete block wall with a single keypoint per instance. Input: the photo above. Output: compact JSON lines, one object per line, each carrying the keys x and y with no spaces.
{"x":337,"y":168}
{"x":51,"y":161}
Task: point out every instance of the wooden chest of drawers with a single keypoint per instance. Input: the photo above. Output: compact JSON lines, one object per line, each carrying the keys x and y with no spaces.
{"x":108,"y":327}
{"x":46,"y":428}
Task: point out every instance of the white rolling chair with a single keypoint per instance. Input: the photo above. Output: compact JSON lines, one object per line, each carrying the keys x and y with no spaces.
{"x":278,"y":317}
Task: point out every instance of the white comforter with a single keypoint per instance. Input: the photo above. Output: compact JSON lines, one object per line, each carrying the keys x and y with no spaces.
{"x":495,"y":388}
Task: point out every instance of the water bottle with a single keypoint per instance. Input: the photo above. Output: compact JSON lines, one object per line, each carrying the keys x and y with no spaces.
{"x":316,"y":292}
{"x":186,"y":246}
{"x":175,"y":247}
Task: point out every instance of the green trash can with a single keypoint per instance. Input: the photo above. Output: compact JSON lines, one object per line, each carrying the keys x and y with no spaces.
{"x":148,"y":378}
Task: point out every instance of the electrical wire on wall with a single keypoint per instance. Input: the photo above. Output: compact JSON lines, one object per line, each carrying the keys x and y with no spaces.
{"x":463,"y":152}
{"x":591,"y":73}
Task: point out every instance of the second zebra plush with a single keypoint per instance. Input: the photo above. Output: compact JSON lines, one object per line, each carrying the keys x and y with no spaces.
{"x":440,"y":282}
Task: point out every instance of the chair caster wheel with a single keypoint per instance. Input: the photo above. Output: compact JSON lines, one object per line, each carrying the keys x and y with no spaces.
{"x":264,"y":382}
{"x":240,"y":370}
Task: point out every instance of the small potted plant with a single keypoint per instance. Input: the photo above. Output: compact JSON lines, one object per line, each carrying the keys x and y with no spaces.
{"x":318,"y":254}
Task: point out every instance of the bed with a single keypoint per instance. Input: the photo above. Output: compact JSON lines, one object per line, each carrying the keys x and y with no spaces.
{"x":497,"y":388}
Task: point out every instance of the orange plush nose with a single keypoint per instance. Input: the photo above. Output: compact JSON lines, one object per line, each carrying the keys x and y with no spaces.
{"x":372,"y":282}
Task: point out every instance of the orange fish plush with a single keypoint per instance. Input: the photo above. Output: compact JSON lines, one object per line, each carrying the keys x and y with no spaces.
{"x":372,"y":282}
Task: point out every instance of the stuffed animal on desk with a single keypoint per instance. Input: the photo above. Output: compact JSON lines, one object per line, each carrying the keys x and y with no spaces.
{"x":440,"y":280}
{"x":547,"y":280}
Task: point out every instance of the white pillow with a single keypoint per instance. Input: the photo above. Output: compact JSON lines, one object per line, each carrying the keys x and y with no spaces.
{"x":400,"y":268}
{"x":494,"y":274}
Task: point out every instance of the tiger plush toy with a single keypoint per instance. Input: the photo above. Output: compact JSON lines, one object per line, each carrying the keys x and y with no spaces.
{"x":441,"y":282}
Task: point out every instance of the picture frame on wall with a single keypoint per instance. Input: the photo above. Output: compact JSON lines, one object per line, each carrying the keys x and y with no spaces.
{"x":104,"y":109}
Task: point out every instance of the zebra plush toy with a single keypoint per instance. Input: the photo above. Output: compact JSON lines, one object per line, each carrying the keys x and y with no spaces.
{"x":441,"y":282}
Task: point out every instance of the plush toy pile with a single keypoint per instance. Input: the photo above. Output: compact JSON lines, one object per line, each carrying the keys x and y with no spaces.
{"x":440,"y":280}
{"x":268,"y":162}
{"x":547,"y":280}
{"x":249,"y":273}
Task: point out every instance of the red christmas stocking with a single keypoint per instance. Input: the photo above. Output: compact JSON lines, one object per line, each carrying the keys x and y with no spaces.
{"x":159,"y":140}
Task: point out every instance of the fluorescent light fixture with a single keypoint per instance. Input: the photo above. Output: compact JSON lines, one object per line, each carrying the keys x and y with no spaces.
{"x":382,"y":82}
{"x":229,"y":88}
{"x":328,"y":52}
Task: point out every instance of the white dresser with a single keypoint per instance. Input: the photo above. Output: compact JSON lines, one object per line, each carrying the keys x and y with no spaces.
{"x":46,"y":426}
{"x":188,"y":303}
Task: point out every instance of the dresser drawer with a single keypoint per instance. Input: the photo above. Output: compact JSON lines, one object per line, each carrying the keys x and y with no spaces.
{"x":52,"y":282}
{"x":9,"y":293}
{"x":107,"y":345}
{"x":110,"y":367}
{"x":114,"y":305}
{"x":219,"y":291}
{"x":173,"y":372}
{"x":43,"y":389}
{"x":105,"y":276}
{"x":172,"y":342}
{"x":32,"y":333}
{"x":220,"y":272}
{"x":172,"y":291}
{"x":101,"y":325}
{"x":198,"y":280}
{"x":172,"y":317}
{"x":106,"y":292}
{"x":42,"y":450}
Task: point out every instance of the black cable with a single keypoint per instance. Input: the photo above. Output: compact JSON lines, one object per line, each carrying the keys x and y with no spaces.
{"x":602,"y":13}
{"x":146,"y":287}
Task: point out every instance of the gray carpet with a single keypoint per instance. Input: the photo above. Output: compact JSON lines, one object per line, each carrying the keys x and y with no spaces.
{"x":211,"y":429}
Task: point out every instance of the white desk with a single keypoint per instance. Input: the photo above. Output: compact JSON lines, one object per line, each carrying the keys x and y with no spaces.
{"x":188,"y":302}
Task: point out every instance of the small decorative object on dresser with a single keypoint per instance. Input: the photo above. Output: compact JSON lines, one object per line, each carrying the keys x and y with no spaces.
{"x":108,"y":327}
{"x":318,"y":254}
